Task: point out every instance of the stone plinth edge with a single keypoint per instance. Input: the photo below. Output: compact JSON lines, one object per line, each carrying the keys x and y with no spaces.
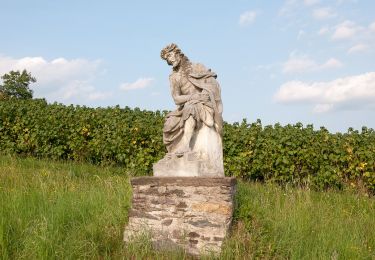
{"x":192,"y":213}
{"x":185,"y":181}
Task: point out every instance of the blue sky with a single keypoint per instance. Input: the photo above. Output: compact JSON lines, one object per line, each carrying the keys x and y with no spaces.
{"x":309,"y":61}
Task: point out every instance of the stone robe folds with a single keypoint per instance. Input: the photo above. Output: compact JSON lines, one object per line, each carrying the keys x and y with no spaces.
{"x":207,"y":138}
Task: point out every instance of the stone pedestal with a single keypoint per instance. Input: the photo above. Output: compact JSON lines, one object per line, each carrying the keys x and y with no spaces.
{"x":193,"y":213}
{"x":187,"y":165}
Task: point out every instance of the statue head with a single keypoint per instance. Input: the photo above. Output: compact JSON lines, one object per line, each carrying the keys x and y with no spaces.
{"x":172,"y":54}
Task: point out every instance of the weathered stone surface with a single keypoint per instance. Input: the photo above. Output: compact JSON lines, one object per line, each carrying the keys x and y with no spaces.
{"x":167,"y":222}
{"x":193,"y":132}
{"x":186,"y":166}
{"x":193,"y":213}
{"x":144,"y":183}
{"x":210,"y":207}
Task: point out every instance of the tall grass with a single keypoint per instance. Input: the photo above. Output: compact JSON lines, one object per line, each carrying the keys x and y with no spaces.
{"x":55,"y":210}
{"x":276,"y":222}
{"x":59,"y":210}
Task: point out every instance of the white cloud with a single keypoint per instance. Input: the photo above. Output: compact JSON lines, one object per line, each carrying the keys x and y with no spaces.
{"x":331,"y":63}
{"x":99,"y":95}
{"x":269,"y":66}
{"x":323,"y":30}
{"x":56,"y":70}
{"x":358,"y":91}
{"x":341,"y":2}
{"x":78,"y":90}
{"x":297,"y":91}
{"x":358,"y":48}
{"x":321,"y":108}
{"x":345,"y":30}
{"x":247,"y":18}
{"x":323,"y":13}
{"x":59,"y":79}
{"x":303,"y":63}
{"x":288,"y":8}
{"x":310,"y":2}
{"x":299,"y":64}
{"x":138,"y":84}
{"x":300,"y":35}
{"x":372,"y":27}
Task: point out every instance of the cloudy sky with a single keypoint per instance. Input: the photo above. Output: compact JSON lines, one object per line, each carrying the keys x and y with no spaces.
{"x":309,"y":61}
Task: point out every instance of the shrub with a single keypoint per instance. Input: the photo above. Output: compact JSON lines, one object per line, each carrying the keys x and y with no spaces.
{"x":132,"y":138}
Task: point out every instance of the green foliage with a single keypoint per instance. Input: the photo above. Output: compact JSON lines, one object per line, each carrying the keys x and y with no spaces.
{"x":301,"y":155}
{"x":60,"y":210}
{"x":132,"y":138}
{"x":276,"y":222}
{"x":106,"y":136}
{"x":16,"y":85}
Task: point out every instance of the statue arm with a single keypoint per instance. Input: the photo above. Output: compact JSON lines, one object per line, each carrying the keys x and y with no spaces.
{"x":182,"y":99}
{"x":178,"y":98}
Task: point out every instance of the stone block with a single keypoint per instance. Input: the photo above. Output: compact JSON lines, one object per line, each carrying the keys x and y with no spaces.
{"x":192,"y":213}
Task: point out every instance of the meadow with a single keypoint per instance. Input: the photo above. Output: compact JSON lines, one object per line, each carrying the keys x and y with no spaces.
{"x":71,"y":210}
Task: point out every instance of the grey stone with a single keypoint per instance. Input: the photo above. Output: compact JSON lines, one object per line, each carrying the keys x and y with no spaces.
{"x":193,"y":132}
{"x":203,"y":223}
{"x":184,"y":181}
{"x":195,"y":222}
{"x":193,"y":241}
{"x":167,"y":222}
{"x":166,"y":244}
{"x":193,"y":234}
{"x":188,"y":203}
{"x":181,"y":205}
{"x":139,"y":214}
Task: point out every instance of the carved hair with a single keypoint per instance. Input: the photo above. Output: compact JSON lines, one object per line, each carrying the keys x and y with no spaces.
{"x":185,"y":63}
{"x":170,"y":48}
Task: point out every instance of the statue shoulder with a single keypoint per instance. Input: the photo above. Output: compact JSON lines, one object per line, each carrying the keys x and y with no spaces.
{"x":175,"y":79}
{"x":200,"y":71}
{"x":174,"y":76}
{"x":199,"y":68}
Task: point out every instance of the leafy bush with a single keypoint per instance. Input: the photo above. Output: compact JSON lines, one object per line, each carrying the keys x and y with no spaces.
{"x":132,"y":138}
{"x":301,"y":155}
{"x":16,"y":85}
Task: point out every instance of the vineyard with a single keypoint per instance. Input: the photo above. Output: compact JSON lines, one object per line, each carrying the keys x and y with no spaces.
{"x":132,"y":138}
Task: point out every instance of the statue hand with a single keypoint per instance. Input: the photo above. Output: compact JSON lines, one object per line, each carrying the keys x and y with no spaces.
{"x":205,"y":98}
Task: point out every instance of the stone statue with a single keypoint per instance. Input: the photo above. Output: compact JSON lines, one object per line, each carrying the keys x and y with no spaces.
{"x":193,"y":132}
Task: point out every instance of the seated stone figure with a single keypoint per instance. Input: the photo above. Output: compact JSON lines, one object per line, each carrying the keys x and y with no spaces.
{"x":193,"y":132}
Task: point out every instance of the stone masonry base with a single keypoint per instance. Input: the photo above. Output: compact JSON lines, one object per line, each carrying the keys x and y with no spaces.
{"x":192,"y":213}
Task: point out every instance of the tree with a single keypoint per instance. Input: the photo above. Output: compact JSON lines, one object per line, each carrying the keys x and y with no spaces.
{"x":16,"y":85}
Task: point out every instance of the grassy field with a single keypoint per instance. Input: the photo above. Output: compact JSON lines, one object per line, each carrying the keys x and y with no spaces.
{"x":57,"y":210}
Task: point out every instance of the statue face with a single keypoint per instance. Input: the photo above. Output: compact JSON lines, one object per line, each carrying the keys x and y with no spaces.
{"x":173,"y":59}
